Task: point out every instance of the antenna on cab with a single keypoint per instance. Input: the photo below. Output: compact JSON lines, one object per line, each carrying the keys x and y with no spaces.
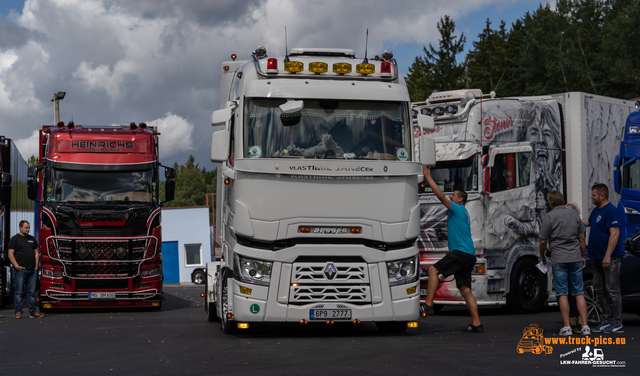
{"x":286,"y":48}
{"x":366,"y":44}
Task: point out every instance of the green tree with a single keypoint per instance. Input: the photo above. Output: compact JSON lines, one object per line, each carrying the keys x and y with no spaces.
{"x":32,"y":161}
{"x":487,"y":62}
{"x":192,"y":184}
{"x":619,"y":49}
{"x":438,"y":69}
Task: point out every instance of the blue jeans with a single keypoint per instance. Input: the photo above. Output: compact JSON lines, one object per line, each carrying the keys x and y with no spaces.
{"x":606,"y":284}
{"x":565,"y":274}
{"x":19,"y":279}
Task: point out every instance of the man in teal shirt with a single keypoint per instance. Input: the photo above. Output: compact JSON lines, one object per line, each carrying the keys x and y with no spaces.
{"x":461,"y":258}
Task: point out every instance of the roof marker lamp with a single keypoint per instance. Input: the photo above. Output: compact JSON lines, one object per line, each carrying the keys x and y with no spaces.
{"x":293,"y":66}
{"x":60,"y":124}
{"x":342,"y":68}
{"x":234,"y":57}
{"x":70,"y":125}
{"x":318,"y":67}
{"x":272,"y":65}
{"x":385,"y":69}
{"x":133,"y":126}
{"x":365,"y":68}
{"x":143,"y":125}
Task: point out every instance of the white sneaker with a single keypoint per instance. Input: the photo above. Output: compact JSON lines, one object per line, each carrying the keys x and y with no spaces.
{"x":586,"y":331}
{"x":566,"y":331}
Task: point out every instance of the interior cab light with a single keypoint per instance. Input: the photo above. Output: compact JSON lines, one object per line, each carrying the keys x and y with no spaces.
{"x":272,"y":65}
{"x":356,"y":230}
{"x":385,"y":69}
{"x":304,"y":229}
{"x":293,"y":66}
{"x":318,"y":67}
{"x":341,"y":68}
{"x":365,"y":68}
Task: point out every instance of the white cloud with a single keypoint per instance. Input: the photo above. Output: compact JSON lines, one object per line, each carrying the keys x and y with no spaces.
{"x":29,"y":146}
{"x":121,"y":61}
{"x":176,"y":134}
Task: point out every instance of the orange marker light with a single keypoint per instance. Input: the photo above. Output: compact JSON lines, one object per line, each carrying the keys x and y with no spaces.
{"x":355,"y":230}
{"x":304,"y":229}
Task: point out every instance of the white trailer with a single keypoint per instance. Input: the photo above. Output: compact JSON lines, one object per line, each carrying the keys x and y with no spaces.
{"x":317,"y":211}
{"x":507,"y":154}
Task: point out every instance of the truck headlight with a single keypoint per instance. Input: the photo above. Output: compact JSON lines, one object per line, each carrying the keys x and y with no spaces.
{"x":51,"y":273}
{"x":629,"y":210}
{"x":252,"y":271}
{"x":403,"y":271}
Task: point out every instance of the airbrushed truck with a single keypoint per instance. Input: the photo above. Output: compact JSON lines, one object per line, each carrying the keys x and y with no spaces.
{"x":317,"y":200}
{"x":507,"y":154}
{"x":98,"y":191}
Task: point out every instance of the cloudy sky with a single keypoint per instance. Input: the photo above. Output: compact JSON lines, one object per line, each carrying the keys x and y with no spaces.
{"x":158,"y":61}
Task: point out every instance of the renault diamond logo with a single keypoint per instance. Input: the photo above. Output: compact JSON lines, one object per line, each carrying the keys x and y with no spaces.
{"x":330,"y":271}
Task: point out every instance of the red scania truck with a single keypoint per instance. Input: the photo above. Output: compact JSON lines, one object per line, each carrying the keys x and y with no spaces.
{"x":98,"y":196}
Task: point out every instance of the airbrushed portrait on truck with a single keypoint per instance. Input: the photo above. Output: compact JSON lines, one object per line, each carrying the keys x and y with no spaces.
{"x":508,"y":154}
{"x":318,"y":174}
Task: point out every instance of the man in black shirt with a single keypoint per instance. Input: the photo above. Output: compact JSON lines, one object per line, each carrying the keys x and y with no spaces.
{"x":23,"y":254}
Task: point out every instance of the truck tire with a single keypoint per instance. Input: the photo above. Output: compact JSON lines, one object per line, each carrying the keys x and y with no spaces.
{"x":391,"y":326}
{"x":528,"y":287}
{"x":228,"y":325}
{"x":198,"y":277}
{"x":594,"y":308}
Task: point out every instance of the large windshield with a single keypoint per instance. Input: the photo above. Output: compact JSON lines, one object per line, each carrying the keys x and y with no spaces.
{"x":341,"y":129}
{"x":454,"y":175}
{"x":631,"y":174}
{"x":107,"y":186}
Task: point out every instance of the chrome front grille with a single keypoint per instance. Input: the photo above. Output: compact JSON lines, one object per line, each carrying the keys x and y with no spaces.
{"x":101,"y":258}
{"x":329,"y":282}
{"x":340,"y":293}
{"x":314,"y":272}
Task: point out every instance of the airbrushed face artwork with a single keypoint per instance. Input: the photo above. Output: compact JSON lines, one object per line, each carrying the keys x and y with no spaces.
{"x":516,"y":211}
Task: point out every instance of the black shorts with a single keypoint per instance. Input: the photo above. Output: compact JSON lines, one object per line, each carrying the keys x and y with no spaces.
{"x":458,"y":263}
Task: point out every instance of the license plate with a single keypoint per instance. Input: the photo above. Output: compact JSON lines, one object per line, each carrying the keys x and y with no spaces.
{"x":330,"y":314}
{"x":102,"y":295}
{"x":423,"y":292}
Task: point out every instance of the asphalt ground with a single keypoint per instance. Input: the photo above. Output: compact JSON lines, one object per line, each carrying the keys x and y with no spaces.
{"x":178,"y":340}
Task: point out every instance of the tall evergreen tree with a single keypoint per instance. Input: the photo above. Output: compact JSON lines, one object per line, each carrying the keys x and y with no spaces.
{"x":438,"y":69}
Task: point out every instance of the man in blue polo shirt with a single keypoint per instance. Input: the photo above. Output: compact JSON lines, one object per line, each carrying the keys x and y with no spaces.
{"x":461,"y":257}
{"x":606,"y":250}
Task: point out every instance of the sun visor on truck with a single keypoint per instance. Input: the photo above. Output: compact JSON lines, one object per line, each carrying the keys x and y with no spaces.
{"x":101,"y":167}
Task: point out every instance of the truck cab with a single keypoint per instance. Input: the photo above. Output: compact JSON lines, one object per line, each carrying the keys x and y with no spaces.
{"x":317,"y":199}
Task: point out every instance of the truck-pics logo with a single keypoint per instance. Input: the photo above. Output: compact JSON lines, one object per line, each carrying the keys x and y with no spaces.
{"x":101,"y":145}
{"x":494,"y":126}
{"x":533,"y":341}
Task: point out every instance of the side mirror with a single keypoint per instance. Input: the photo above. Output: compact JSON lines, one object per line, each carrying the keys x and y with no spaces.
{"x":6,"y":178}
{"x":426,"y":123}
{"x":220,"y":118}
{"x":220,"y":146}
{"x":616,"y":180}
{"x":616,"y":161}
{"x":427,"y":143}
{"x":32,"y":171}
{"x":32,"y":189}
{"x":169,"y":173}
{"x":169,"y":190}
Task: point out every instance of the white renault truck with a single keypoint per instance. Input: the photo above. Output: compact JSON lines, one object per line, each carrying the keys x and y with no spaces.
{"x":507,"y":154}
{"x":317,"y":200}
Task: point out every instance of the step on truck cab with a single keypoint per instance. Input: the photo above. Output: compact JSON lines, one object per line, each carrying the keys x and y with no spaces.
{"x":508,"y":154}
{"x":98,"y":191}
{"x":317,"y":206}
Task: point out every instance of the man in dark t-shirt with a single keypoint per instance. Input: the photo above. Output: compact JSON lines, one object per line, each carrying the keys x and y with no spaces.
{"x":23,"y":254}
